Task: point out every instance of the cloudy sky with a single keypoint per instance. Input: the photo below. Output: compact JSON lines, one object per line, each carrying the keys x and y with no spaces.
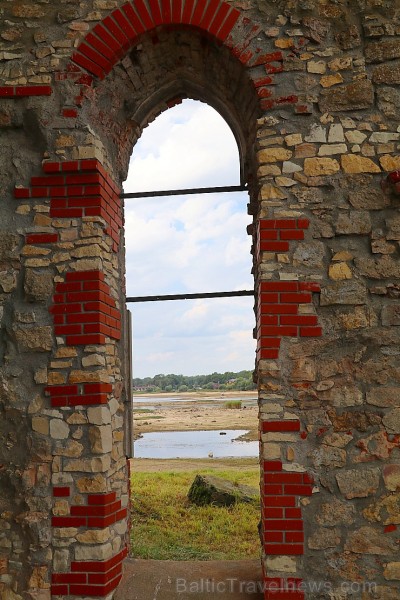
{"x":188,"y":244}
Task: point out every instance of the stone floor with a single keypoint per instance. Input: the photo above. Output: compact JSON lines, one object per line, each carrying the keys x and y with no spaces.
{"x":190,"y":580}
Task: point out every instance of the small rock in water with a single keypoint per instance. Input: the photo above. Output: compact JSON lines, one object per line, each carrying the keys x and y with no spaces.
{"x":222,"y":433}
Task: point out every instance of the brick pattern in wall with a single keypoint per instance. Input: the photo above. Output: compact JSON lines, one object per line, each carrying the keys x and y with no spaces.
{"x":90,"y":578}
{"x":84,"y":310}
{"x":80,"y":188}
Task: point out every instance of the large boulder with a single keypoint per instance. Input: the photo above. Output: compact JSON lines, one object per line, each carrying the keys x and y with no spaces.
{"x":207,"y":489}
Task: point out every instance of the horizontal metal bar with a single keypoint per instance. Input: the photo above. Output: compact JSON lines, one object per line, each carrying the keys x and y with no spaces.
{"x":207,"y":190}
{"x":189,"y":296}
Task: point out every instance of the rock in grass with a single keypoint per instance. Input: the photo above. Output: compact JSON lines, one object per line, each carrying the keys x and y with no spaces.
{"x":207,"y":489}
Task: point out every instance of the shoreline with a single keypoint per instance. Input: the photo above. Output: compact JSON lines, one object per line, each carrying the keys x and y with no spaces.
{"x":207,"y":415}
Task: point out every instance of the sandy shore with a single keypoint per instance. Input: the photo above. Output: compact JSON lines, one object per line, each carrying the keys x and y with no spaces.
{"x":207,"y":413}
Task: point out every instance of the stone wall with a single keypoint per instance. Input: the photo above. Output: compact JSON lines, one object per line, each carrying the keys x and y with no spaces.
{"x":311,"y":91}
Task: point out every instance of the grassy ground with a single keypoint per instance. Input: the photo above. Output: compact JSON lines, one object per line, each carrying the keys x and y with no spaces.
{"x":165,"y":526}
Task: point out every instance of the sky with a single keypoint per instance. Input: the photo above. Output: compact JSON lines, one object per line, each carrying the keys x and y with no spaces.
{"x":188,"y":244}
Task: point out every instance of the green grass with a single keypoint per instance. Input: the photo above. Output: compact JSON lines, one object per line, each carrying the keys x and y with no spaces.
{"x":235,"y":404}
{"x":165,"y":526}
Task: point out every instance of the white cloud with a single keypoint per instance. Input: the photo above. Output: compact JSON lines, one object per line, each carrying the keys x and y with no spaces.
{"x":188,"y":244}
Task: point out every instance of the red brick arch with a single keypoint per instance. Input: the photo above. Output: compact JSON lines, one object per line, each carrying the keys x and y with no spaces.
{"x":109,"y":41}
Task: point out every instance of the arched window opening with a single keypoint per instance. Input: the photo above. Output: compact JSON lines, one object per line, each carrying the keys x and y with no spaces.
{"x":190,"y":244}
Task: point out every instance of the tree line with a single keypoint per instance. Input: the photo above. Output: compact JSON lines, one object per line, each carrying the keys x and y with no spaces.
{"x":241,"y":381}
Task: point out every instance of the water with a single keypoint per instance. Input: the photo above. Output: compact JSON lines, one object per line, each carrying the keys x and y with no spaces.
{"x":150,"y":400}
{"x":194,"y":444}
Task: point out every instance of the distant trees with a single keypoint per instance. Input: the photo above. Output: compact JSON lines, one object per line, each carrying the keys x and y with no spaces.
{"x":241,"y":381}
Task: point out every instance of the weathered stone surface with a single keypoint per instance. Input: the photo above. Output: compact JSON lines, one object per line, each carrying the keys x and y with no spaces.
{"x":354,"y":96}
{"x":358,"y":483}
{"x":339,"y":271}
{"x":358,"y":222}
{"x":329,"y":456}
{"x":207,"y":489}
{"x":282,"y":564}
{"x":384,"y":510}
{"x":391,"y":477}
{"x":389,"y":74}
{"x":392,"y":571}
{"x":388,"y":101}
{"x":378,"y":268}
{"x":101,"y":439}
{"x":391,"y":421}
{"x":354,"y":163}
{"x":273,"y":155}
{"x":309,"y":254}
{"x":89,"y":553}
{"x":59,"y":429}
{"x":384,"y":396}
{"x":34,"y":339}
{"x":391,"y":315}
{"x":343,"y":292}
{"x":8,"y":246}
{"x":38,"y":286}
{"x":315,"y":167}
{"x":381,"y":51}
{"x":368,"y":540}
{"x":94,"y":536}
{"x":336,"y":512}
{"x":99,"y":415}
{"x":323,"y":538}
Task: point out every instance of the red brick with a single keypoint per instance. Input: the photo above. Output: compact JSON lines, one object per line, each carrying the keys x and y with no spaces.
{"x":266,"y":342}
{"x":272,"y":465}
{"x":286,"y":330}
{"x":294,"y":536}
{"x":269,"y":234}
{"x":277,"y":309}
{"x":68,"y":521}
{"x":284,"y":595}
{"x":101,"y":499}
{"x":143,"y":13}
{"x":105,"y":577}
{"x":125,"y":24}
{"x":69,"y":578}
{"x":273,"y":513}
{"x":283,"y":477}
{"x":273,"y":536}
{"x":219,"y":18}
{"x":298,"y":320}
{"x":298,"y":490}
{"x":293,"y":513}
{"x":310,"y":331}
{"x":87,"y":64}
{"x":7,"y":91}
{"x":68,"y":329}
{"x":265,"y":354}
{"x":109,"y":40}
{"x":84,"y":276}
{"x":273,"y":489}
{"x":279,"y":501}
{"x":87,"y":340}
{"x":268,"y":320}
{"x":98,"y":387}
{"x":274,"y":246}
{"x":280,"y":426}
{"x":59,"y":590}
{"x":61,"y":390}
{"x":61,"y":491}
{"x":133,"y":18}
{"x":101,"y":522}
{"x":166,"y":11}
{"x":33,"y":90}
{"x":285,"y":549}
{"x":155,"y":12}
{"x":209,"y":14}
{"x":278,"y":286}
{"x":117,"y":32}
{"x":96,"y":57}
{"x":283,"y":525}
{"x":228,"y":24}
{"x":41,"y":238}
{"x":295,"y":234}
{"x":300,"y":298}
{"x":277,"y":223}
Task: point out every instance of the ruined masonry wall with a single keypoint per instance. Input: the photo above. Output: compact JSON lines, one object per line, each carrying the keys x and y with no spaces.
{"x":311,"y":90}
